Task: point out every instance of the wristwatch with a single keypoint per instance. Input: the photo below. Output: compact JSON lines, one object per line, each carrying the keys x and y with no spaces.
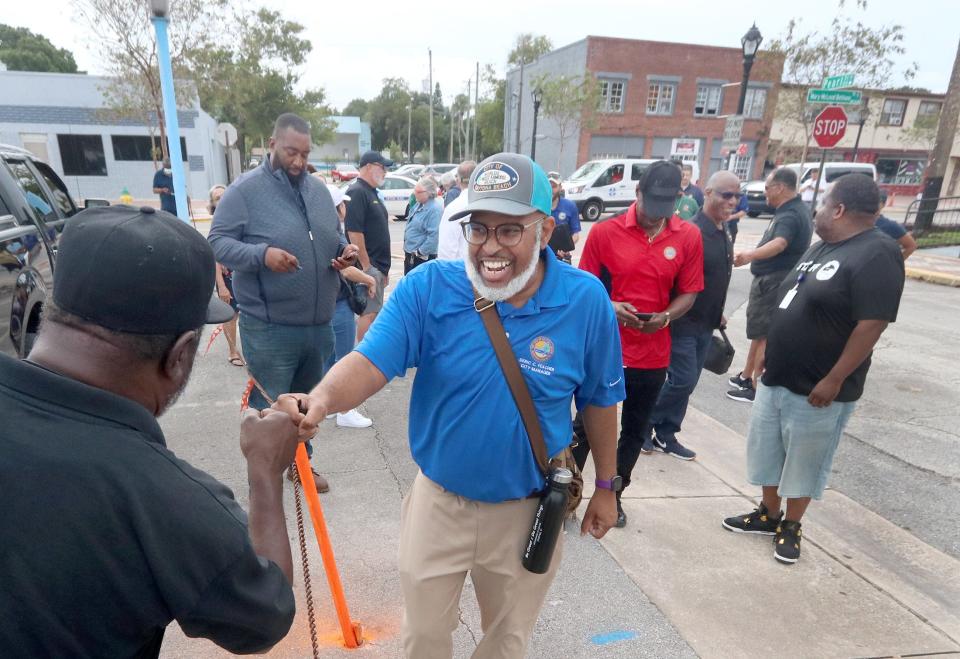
{"x":666,"y":324}
{"x":615,"y":484}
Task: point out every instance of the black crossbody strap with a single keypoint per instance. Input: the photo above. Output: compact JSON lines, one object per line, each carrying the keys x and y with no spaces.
{"x":511,"y":371}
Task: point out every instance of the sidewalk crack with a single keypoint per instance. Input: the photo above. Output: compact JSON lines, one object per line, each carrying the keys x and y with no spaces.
{"x":382,"y":449}
{"x":466,"y":626}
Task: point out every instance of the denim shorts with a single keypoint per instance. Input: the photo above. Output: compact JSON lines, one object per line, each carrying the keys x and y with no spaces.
{"x":791,"y":443}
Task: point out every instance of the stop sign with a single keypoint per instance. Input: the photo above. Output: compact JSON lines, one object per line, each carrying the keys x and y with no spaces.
{"x":830,"y":126}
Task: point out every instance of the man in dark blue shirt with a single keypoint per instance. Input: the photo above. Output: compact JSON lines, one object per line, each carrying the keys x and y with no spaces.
{"x":565,"y":215}
{"x":163,"y":186}
{"x":896,"y":231}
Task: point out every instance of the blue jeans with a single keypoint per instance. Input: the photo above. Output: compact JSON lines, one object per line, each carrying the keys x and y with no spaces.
{"x":687,"y":355}
{"x":284,"y":358}
{"x":345,"y":333}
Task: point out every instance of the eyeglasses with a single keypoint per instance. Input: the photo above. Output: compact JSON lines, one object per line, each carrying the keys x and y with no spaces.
{"x":508,"y":235}
{"x":727,"y":196}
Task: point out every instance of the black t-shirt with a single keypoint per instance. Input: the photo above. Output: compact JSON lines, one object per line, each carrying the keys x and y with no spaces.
{"x":366,"y":214}
{"x":707,"y":310}
{"x":106,"y":536}
{"x":834,"y":286}
{"x":793,"y":223}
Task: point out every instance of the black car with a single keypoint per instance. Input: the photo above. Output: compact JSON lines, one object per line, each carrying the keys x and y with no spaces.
{"x":34,"y":204}
{"x":756,"y":199}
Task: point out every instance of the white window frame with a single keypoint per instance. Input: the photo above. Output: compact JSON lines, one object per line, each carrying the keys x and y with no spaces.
{"x":887,"y":117}
{"x":755,"y":102}
{"x":612,"y":93}
{"x":708,"y":92}
{"x":740,"y":165}
{"x":656,"y":92}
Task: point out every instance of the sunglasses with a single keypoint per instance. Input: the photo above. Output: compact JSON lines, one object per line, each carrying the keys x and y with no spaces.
{"x":727,"y":196}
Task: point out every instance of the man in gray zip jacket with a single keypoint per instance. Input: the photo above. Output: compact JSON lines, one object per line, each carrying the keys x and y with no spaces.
{"x":276,"y":228}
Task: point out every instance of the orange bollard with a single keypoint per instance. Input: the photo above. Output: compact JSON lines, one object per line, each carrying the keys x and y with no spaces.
{"x":352,"y":632}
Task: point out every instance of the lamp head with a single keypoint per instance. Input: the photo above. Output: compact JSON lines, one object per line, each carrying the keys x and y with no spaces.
{"x":160,"y":8}
{"x":751,"y":42}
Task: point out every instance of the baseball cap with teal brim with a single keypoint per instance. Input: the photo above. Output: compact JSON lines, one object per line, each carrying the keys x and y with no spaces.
{"x":510,"y":184}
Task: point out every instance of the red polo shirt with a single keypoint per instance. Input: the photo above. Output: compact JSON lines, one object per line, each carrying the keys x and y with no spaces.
{"x":645,"y":274}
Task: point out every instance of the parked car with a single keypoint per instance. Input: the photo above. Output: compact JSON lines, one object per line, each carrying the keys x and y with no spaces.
{"x":439,"y":168}
{"x":344,"y":172}
{"x":410,"y":171}
{"x":756,"y":199}
{"x":600,"y":185}
{"x":34,"y":204}
{"x":832,"y":170}
{"x":396,"y":194}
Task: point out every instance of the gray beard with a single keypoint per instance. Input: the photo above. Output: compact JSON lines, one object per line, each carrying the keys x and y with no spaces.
{"x":513,"y":286}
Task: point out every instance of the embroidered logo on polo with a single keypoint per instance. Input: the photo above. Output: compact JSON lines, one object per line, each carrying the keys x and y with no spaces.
{"x":495,"y":176}
{"x":828,"y":270}
{"x":669,"y":252}
{"x":542,"y":349}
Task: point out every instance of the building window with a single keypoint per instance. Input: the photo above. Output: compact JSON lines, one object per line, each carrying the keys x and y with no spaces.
{"x":900,"y":171}
{"x":708,"y":101}
{"x":140,"y":148}
{"x":929,"y":109}
{"x":893,"y":111}
{"x":611,"y":96}
{"x":755,"y":103}
{"x":82,"y":155}
{"x":660,"y":97}
{"x":741,"y":166}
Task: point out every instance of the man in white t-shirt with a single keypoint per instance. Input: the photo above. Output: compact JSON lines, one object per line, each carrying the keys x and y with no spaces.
{"x":452,"y":245}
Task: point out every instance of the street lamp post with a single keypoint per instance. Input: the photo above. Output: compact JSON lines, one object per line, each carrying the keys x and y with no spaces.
{"x":160,"y":9}
{"x":864,"y":113}
{"x":537,"y":95}
{"x":750,"y":44}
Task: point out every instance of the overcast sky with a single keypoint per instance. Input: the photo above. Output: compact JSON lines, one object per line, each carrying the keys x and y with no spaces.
{"x":357,"y":44}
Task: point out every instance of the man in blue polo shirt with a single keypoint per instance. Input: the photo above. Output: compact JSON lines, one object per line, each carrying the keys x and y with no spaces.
{"x":472,"y":504}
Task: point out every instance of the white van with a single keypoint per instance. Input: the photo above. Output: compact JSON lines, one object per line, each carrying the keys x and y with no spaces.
{"x":832,"y":170}
{"x":601,"y":185}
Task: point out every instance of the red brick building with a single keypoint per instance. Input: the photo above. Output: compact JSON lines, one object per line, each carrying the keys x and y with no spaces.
{"x":659,"y":100}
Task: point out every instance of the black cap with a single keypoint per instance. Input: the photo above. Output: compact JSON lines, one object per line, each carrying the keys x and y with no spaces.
{"x":136,"y":270}
{"x":660,"y":185}
{"x":374,"y":157}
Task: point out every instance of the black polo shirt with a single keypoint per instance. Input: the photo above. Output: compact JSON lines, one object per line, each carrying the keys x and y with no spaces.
{"x":106,"y":536}
{"x":792,"y":222}
{"x":707,"y":310}
{"x":366,"y":214}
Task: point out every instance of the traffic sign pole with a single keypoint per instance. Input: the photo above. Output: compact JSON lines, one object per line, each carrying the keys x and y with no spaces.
{"x":816,"y":188}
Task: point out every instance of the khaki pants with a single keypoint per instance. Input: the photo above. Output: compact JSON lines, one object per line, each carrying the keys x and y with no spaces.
{"x":442,"y":537}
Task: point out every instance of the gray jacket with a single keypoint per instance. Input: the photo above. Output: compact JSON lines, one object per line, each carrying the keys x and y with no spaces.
{"x":261,"y":209}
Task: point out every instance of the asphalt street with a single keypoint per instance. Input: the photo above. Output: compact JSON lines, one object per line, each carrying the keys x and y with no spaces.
{"x":899,"y":459}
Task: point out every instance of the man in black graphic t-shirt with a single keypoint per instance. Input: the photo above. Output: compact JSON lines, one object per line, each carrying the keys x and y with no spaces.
{"x":831,"y":310}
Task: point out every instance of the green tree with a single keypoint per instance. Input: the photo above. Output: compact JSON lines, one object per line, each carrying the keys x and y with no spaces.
{"x":571,"y":102}
{"x":252,"y":79}
{"x":527,"y":48}
{"x":23,"y":50}
{"x":356,"y":108}
{"x":490,"y":113}
{"x":848,"y":46}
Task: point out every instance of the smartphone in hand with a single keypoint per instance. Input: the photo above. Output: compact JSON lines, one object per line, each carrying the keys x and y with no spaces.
{"x":643,"y":316}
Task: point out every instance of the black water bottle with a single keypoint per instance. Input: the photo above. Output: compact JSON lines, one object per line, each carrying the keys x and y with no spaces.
{"x":547,"y":522}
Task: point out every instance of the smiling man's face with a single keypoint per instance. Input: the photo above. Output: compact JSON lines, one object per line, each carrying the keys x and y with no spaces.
{"x":499,"y":272}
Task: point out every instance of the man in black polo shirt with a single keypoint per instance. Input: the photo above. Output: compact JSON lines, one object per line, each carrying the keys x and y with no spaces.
{"x":782,"y":245}
{"x":831,"y":310}
{"x":106,"y":536}
{"x":691,"y":333}
{"x":368,"y":227}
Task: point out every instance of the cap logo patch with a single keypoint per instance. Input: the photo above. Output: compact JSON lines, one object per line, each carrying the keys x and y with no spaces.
{"x":495,"y":176}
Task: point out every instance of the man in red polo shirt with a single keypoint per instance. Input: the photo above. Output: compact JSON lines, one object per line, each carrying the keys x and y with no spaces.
{"x":651,"y":262}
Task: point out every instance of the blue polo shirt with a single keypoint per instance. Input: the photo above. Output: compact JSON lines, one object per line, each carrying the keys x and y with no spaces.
{"x":566,"y":213}
{"x":465,"y":431}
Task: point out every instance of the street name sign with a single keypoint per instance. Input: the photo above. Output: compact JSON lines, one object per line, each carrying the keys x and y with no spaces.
{"x":830,"y":126}
{"x":838,"y":82}
{"x":732,"y":131}
{"x":843,"y":97}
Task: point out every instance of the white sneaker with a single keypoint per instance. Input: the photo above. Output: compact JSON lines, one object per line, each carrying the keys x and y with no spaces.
{"x":353,"y":419}
{"x":330,"y":416}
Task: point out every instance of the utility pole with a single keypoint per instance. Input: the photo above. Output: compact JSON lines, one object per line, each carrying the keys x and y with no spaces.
{"x":941,"y":152}
{"x":450,"y":150}
{"x":467,"y":131}
{"x":474,"y":153}
{"x":519,"y":102}
{"x":430,"y":57}
{"x":409,"y":123}
{"x":864,"y":111}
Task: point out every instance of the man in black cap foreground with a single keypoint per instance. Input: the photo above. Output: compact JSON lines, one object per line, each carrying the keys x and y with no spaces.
{"x":106,"y":535}
{"x":368,"y":227}
{"x":652,"y":264}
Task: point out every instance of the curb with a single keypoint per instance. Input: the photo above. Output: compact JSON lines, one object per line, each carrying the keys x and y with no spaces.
{"x":933,"y":277}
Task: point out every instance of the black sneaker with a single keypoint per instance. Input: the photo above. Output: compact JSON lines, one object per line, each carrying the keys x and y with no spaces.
{"x":621,"y":516}
{"x":647,"y":447}
{"x":740,"y":382}
{"x":759,"y":521}
{"x":786,"y":544}
{"x":743,"y":395}
{"x":674,"y":448}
